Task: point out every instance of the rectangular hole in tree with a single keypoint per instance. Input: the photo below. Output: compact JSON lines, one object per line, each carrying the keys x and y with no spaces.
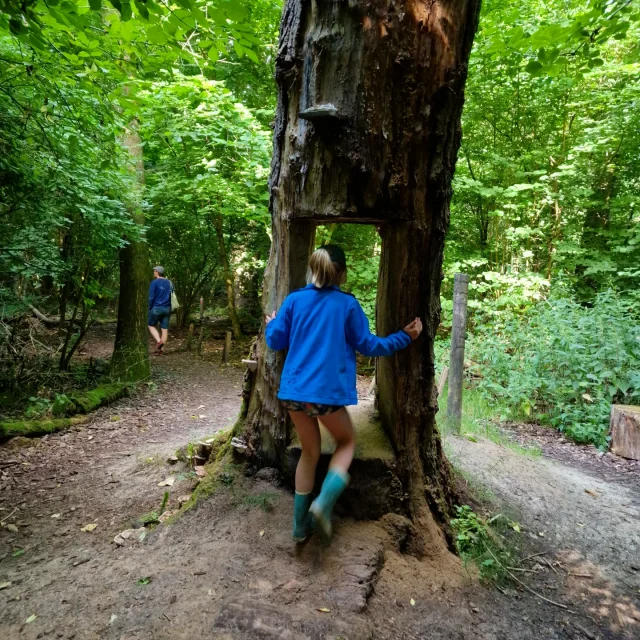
{"x":362,"y":245}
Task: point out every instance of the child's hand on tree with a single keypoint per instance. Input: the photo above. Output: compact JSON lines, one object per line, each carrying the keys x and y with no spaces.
{"x":269,"y":318}
{"x":414,"y":329}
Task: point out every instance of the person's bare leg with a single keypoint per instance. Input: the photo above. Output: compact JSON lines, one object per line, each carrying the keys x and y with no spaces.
{"x":309,"y":436}
{"x":341,"y":428}
{"x":165,"y":337}
{"x":154,"y":332}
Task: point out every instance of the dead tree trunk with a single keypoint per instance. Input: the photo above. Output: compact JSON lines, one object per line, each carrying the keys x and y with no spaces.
{"x":367,"y":130}
{"x":130,"y":360}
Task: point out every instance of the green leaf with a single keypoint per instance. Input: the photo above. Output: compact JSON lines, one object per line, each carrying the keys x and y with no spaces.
{"x":533,"y":67}
{"x":143,"y":581}
{"x":96,"y":5}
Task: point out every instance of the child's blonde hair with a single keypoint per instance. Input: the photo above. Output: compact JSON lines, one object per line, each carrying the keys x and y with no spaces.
{"x":323,"y":271}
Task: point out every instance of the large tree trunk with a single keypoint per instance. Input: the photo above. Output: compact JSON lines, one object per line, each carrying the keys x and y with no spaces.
{"x":229,"y":280}
{"x":367,"y":130}
{"x":130,"y":360}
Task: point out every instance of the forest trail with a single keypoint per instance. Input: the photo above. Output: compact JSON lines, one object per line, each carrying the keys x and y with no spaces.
{"x":228,"y":569}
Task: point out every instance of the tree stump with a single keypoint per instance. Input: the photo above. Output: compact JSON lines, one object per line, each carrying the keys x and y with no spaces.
{"x":625,"y":431}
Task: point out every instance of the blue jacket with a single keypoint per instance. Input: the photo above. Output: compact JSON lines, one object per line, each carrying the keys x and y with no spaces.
{"x":323,"y":329}
{"x":160,"y":293}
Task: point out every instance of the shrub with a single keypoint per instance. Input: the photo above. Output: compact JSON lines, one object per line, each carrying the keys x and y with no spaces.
{"x":562,"y":363}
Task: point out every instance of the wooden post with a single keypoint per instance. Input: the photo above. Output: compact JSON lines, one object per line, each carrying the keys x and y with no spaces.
{"x":456,"y":363}
{"x":190,"y":337}
{"x":201,"y":336}
{"x":227,"y":347}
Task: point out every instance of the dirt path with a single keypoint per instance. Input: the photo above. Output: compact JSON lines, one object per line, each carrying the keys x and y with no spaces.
{"x":228,"y":569}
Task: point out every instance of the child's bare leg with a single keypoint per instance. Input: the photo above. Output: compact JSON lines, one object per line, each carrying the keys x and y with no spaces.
{"x":341,"y":428}
{"x":154,"y":332}
{"x":309,"y":435}
{"x":165,"y":336}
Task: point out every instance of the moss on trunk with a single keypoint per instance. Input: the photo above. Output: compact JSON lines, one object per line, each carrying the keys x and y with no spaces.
{"x":87,"y":401}
{"x":35,"y":428}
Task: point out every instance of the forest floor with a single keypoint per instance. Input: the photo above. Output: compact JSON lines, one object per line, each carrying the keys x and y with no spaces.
{"x":228,"y":569}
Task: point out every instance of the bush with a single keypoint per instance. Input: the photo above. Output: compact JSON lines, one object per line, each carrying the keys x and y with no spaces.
{"x":562,"y":363}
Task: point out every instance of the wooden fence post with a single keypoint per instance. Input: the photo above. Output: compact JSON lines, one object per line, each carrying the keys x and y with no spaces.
{"x":190,"y":337}
{"x":201,"y":336}
{"x":456,"y":363}
{"x":227,"y":347}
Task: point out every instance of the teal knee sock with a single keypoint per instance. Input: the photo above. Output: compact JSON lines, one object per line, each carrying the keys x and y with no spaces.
{"x":334,"y":484}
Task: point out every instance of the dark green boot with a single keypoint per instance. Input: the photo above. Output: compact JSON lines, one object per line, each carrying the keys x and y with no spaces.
{"x":334,"y":484}
{"x":303,"y":525}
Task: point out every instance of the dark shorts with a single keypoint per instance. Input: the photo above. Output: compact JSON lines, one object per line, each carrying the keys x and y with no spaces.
{"x":160,"y":315}
{"x":312,"y":409}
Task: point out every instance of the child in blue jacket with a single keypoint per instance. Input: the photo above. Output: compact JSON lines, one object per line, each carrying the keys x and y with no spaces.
{"x":322,"y":327}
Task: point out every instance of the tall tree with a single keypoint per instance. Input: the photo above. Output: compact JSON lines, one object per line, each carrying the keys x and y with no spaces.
{"x":367,"y":130}
{"x":130,"y":360}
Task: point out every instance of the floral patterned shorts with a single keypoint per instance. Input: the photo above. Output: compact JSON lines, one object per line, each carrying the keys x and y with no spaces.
{"x":312,"y":409}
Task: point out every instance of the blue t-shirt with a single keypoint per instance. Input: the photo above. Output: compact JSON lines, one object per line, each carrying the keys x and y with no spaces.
{"x":322,"y":330}
{"x":160,"y":293}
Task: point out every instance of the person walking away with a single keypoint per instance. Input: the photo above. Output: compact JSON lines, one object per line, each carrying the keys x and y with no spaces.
{"x":159,"y":307}
{"x":322,"y":327}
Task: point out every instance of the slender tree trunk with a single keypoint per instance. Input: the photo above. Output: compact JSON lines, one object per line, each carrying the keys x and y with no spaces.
{"x":367,"y":130}
{"x":130,"y":360}
{"x":229,"y":281}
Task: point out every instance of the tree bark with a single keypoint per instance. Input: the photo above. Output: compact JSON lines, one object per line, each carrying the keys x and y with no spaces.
{"x":130,"y":360}
{"x":229,"y":281}
{"x":367,"y":130}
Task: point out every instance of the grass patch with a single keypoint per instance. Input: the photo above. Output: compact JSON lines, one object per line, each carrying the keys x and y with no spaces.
{"x":479,"y":421}
{"x":488,"y":543}
{"x":265,"y":501}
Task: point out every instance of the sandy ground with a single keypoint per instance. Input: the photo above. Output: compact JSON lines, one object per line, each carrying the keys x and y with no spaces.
{"x":228,"y":569}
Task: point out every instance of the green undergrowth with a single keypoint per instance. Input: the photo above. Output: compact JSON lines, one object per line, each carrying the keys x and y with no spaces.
{"x":479,"y":420}
{"x":491,"y":543}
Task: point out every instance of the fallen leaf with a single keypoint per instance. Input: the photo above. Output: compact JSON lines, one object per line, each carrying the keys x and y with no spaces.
{"x":194,"y":417}
{"x":587,"y":397}
{"x":579,"y":524}
{"x":115,"y":418}
{"x":261,"y":533}
{"x":541,"y":534}
{"x":202,"y":417}
{"x":592,"y":493}
{"x":18,"y":552}
{"x":89,"y":527}
{"x":143,"y":581}
{"x":168,"y":482}
{"x":5,"y":585}
{"x":114,"y":617}
{"x":324,"y":610}
{"x":515,"y":526}
{"x":11,"y":527}
{"x":201,"y":406}
{"x":412,"y":602}
{"x":56,"y":515}
{"x":31,"y":618}
{"x":200,"y":471}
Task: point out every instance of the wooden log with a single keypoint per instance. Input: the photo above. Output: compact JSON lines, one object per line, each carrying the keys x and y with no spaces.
{"x":442,"y":380}
{"x":227,"y":347}
{"x":625,"y":431}
{"x":201,"y":336}
{"x":456,"y":362}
